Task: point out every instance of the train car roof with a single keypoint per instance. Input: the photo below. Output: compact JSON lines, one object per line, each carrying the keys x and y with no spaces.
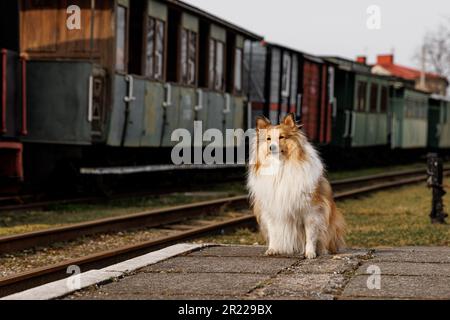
{"x":197,"y":11}
{"x":349,"y":65}
{"x":358,"y":67}
{"x":305,"y":55}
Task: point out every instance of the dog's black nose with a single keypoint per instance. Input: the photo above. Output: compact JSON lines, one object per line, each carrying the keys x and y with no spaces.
{"x":273,"y":148}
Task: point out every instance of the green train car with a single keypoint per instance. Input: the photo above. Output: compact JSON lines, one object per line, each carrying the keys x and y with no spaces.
{"x":361,"y":106}
{"x":113,"y":91}
{"x":409,"y":109}
{"x":439,"y":123}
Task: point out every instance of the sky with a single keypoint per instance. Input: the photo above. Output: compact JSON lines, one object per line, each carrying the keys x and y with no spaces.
{"x":338,"y":27}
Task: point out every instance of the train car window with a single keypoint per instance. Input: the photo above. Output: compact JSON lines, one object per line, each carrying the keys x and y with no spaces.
{"x":219,"y":77}
{"x":184,"y":55}
{"x":373,"y":97}
{"x":238,"y":70}
{"x":384,"y":99}
{"x":211,"y":59}
{"x":121,"y":38}
{"x":294,"y":84}
{"x":192,"y":58}
{"x":150,"y":48}
{"x":159,"y":49}
{"x":331,"y":79}
{"x":286,"y":80}
{"x":362,"y":95}
{"x":216,"y":65}
{"x":407,"y":108}
{"x":188,"y":57}
{"x":154,"y":61}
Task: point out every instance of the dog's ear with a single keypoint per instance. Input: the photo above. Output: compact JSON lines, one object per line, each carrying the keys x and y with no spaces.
{"x":289,"y":121}
{"x":262,"y":122}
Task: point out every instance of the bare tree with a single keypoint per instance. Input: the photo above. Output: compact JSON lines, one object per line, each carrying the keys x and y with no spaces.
{"x":435,"y":50}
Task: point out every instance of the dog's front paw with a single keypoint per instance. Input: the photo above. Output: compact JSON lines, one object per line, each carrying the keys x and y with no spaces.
{"x":310,"y":254}
{"x":271,"y":252}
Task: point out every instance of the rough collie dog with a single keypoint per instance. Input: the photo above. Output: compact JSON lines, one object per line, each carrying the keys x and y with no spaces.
{"x":290,"y":196}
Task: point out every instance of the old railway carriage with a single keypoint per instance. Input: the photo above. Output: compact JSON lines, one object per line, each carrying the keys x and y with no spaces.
{"x":284,"y":80}
{"x":132,"y":73}
{"x":362,"y":106}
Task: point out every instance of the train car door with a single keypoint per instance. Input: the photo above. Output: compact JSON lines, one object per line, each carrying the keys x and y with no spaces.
{"x":97,"y":102}
{"x":311,"y":98}
{"x":285,"y":90}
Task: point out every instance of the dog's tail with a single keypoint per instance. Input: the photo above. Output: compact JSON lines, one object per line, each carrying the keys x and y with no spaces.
{"x":337,"y":230}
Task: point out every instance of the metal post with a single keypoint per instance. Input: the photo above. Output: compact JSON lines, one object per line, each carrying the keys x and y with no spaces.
{"x":435,"y":181}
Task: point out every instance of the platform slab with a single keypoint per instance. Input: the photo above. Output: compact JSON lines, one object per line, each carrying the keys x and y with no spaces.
{"x":257,"y":265}
{"x":400,"y":287}
{"x":408,"y":269}
{"x":414,"y":254}
{"x":234,"y":272}
{"x":205,"y":272}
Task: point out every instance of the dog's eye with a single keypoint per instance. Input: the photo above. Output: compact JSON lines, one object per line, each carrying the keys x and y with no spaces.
{"x":269,"y":138}
{"x":282,"y":137}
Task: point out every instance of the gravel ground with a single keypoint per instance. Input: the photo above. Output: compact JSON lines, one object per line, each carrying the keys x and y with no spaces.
{"x":27,"y":260}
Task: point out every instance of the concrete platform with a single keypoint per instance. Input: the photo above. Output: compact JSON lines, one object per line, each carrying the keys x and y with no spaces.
{"x":243,"y":272}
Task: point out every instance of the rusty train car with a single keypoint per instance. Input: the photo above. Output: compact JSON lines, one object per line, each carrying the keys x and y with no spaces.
{"x":109,"y":88}
{"x":283,"y":80}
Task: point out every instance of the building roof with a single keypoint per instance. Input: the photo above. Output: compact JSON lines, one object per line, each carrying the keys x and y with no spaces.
{"x":408,"y":73}
{"x":385,"y":62}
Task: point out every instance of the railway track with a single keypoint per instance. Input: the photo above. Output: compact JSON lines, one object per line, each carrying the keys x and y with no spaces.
{"x":170,"y":217}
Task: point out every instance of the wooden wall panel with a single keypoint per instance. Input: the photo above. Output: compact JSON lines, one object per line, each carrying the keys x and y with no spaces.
{"x":44,"y":34}
{"x":39,"y":26}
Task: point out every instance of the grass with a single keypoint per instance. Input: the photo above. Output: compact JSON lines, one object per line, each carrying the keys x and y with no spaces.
{"x":396,"y":217}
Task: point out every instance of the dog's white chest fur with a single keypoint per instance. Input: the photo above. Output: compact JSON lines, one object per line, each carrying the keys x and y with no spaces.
{"x":283,"y":188}
{"x":284,"y":192}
